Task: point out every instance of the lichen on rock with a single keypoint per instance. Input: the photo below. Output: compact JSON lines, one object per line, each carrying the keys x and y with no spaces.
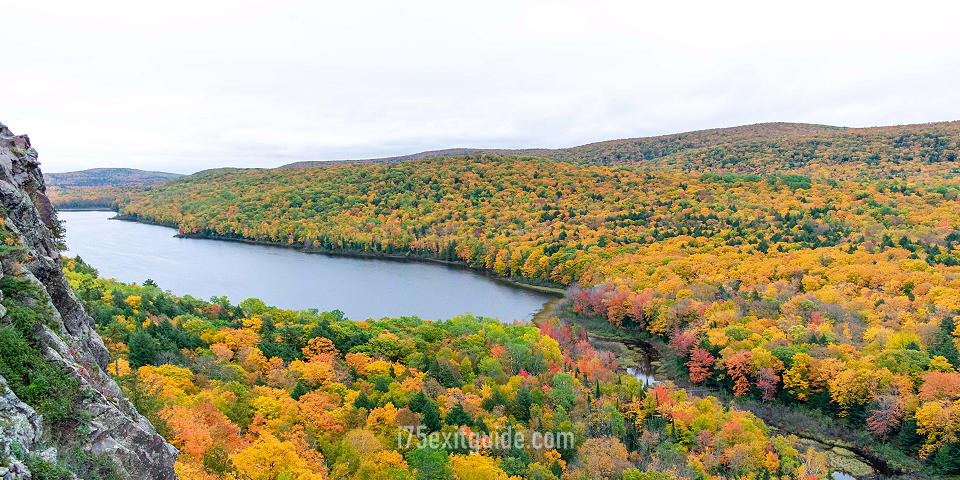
{"x":41,"y":314}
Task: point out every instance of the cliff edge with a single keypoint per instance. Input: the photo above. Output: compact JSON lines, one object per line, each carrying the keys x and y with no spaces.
{"x":61,"y":414}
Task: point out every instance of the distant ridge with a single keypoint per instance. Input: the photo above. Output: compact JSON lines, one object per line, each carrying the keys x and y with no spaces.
{"x":105,"y":177}
{"x":449,"y":152}
{"x":622,"y":150}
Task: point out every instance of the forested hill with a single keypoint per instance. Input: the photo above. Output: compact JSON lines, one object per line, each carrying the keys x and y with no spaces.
{"x":827,"y":278}
{"x":758,"y":149}
{"x":639,"y":148}
{"x":837,"y":290}
{"x":105,"y":177}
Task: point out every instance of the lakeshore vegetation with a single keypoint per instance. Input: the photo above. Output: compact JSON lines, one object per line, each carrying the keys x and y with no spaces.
{"x":816,"y":269}
{"x":255,"y":392}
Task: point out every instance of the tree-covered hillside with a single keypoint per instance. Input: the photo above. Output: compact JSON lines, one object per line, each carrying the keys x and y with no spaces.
{"x":818,"y":271}
{"x":250,"y":391}
{"x":764,"y":148}
{"x":626,"y":150}
{"x":105,"y":177}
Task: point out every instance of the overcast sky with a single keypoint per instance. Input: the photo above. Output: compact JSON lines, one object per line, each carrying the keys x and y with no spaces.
{"x":185,"y":86}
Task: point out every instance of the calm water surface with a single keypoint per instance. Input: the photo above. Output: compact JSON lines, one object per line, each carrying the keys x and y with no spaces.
{"x":360,"y":287}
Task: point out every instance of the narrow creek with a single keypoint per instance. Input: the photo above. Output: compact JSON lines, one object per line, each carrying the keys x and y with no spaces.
{"x":641,"y":359}
{"x":637,"y":357}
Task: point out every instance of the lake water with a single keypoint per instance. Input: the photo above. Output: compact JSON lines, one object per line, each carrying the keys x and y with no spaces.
{"x":360,"y":287}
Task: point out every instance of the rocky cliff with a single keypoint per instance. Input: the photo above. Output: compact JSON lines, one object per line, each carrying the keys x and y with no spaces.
{"x":61,"y":415}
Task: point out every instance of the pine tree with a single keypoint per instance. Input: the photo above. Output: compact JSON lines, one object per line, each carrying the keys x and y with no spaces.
{"x":417,"y":402}
{"x":520,"y":407}
{"x":459,"y":416}
{"x":298,"y":391}
{"x":481,"y":426}
{"x":493,"y":400}
{"x":431,"y":416}
{"x":143,"y":349}
{"x":943,"y":343}
{"x":363,"y":401}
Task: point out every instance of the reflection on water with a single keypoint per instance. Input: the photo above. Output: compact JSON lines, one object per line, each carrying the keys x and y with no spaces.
{"x":640,"y":352}
{"x":360,"y":287}
{"x":644,"y":373}
{"x":647,"y":361}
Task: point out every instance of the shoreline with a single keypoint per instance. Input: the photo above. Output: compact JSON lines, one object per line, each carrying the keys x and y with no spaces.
{"x":558,"y":290}
{"x":85,"y":209}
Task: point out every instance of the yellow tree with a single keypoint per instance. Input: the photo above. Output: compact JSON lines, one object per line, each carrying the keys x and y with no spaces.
{"x":270,"y":459}
{"x":476,"y":467}
{"x":604,"y":458}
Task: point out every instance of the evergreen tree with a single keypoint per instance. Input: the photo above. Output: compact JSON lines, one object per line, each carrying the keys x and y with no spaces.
{"x":298,"y":391}
{"x":458,"y":416}
{"x":909,"y":440}
{"x":431,"y":416}
{"x":417,"y":402}
{"x":947,"y":459}
{"x":143,"y":349}
{"x":444,"y":376}
{"x":363,"y":401}
{"x":481,"y":426}
{"x":556,"y":469}
{"x":943,"y":342}
{"x":520,"y":407}
{"x":430,"y":464}
{"x":493,"y":400}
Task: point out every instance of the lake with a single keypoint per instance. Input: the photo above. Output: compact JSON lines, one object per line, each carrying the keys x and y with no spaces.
{"x":360,"y":287}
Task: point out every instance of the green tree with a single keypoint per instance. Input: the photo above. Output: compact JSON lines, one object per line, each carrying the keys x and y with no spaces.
{"x":947,"y":459}
{"x":253,"y":306}
{"x":298,"y":391}
{"x":431,"y":416}
{"x":417,"y":401}
{"x":430,"y":464}
{"x":216,"y":461}
{"x":563,"y":393}
{"x":363,"y":401}
{"x":496,"y":398}
{"x":535,"y":471}
{"x":459,"y":416}
{"x":466,"y":370}
{"x":943,"y":343}
{"x":513,"y":466}
{"x":143,"y":349}
{"x":520,"y":407}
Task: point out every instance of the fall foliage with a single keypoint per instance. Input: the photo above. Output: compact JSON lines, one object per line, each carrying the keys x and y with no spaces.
{"x":795,"y":265}
{"x":243,"y":399}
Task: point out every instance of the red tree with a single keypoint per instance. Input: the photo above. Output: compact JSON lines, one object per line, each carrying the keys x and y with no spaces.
{"x":767,"y":383}
{"x":700,"y":365}
{"x":681,"y":343}
{"x":738,"y":367}
{"x":886,"y":418}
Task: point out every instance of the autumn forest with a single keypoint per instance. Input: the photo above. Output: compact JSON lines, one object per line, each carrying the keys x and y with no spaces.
{"x":799,"y":283}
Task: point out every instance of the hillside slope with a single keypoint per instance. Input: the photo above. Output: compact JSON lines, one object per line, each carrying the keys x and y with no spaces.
{"x":105,"y":177}
{"x":601,"y":152}
{"x":60,"y":412}
{"x":762,"y":149}
{"x":837,"y":290}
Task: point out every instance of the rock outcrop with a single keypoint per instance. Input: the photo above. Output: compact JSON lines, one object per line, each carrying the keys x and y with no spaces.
{"x":107,"y":427}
